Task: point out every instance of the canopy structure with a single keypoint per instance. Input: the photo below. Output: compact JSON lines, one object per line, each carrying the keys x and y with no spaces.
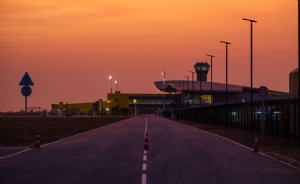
{"x":172,"y":86}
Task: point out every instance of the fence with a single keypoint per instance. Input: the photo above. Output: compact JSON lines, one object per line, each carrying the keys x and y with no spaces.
{"x":276,"y":117}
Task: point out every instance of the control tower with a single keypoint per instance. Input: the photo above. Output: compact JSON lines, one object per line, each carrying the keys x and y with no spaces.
{"x":201,"y":69}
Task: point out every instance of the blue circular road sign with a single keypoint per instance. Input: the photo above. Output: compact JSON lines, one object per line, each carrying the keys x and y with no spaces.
{"x":26,"y":90}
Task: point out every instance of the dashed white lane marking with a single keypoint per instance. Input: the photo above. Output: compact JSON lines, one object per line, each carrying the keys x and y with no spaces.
{"x":144,"y":167}
{"x":146,"y":127}
{"x":144,"y":178}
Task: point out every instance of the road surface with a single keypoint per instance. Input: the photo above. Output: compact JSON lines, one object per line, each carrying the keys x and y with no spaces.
{"x":114,"y":154}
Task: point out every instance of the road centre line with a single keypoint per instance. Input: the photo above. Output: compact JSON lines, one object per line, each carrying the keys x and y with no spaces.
{"x":144,"y":178}
{"x":146,"y":127}
{"x":144,"y":167}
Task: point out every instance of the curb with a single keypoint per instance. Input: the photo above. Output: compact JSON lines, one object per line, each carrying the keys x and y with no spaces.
{"x":285,"y":159}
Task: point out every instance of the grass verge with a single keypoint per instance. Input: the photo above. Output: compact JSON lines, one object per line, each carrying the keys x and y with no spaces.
{"x":12,"y":129}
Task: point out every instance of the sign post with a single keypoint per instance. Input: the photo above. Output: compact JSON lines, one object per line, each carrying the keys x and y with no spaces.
{"x":26,"y":91}
{"x":263,"y":92}
{"x":134,"y":101}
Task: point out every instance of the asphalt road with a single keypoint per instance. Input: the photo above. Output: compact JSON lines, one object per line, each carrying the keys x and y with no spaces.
{"x":114,"y":154}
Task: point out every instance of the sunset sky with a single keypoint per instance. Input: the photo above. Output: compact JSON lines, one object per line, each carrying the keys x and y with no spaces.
{"x":70,"y":47}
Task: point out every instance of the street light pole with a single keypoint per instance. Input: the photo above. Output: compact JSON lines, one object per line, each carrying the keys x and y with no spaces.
{"x":110,"y":77}
{"x":187,"y":87}
{"x":226,"y":80}
{"x":183,"y":98}
{"x":164,"y":74}
{"x":116,"y":82}
{"x":298,"y":70}
{"x":251,"y":74}
{"x":211,"y":93}
{"x":192,"y":84}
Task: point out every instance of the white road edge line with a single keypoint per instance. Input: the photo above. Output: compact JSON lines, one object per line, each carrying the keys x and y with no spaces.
{"x":14,"y":154}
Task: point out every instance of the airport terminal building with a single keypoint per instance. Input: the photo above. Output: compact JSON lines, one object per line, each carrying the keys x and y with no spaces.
{"x":203,"y":92}
{"x":174,"y":94}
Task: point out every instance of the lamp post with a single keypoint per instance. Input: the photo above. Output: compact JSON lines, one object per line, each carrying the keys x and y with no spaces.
{"x":200,"y":98}
{"x":251,"y":73}
{"x":110,"y":77}
{"x":192,"y":84}
{"x":179,"y":88}
{"x":116,"y":82}
{"x":211,"y":93}
{"x":164,"y":74}
{"x":187,"y":87}
{"x":298,"y":69}
{"x":101,"y":102}
{"x":183,"y":98}
{"x":134,"y":101}
{"x":226,"y":79}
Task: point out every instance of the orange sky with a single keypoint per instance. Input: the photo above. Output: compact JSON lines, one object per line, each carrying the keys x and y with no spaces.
{"x":70,"y":47}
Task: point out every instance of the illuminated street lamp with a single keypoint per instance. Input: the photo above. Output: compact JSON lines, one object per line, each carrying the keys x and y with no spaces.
{"x":226,"y":79}
{"x":110,"y":77}
{"x":251,"y":73}
{"x":164,"y":74}
{"x":116,"y":82}
{"x":211,"y":93}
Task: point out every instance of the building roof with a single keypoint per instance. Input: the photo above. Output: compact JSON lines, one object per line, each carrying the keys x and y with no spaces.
{"x":181,"y":85}
{"x":204,"y":86}
{"x":294,"y":71}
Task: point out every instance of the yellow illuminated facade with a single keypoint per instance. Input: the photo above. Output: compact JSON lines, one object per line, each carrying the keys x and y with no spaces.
{"x":118,"y":104}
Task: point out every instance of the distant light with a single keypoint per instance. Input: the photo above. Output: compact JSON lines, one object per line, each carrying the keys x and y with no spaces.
{"x":107,"y":109}
{"x":243,"y":100}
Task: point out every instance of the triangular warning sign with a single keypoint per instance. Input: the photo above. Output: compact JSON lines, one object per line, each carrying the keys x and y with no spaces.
{"x":26,"y":80}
